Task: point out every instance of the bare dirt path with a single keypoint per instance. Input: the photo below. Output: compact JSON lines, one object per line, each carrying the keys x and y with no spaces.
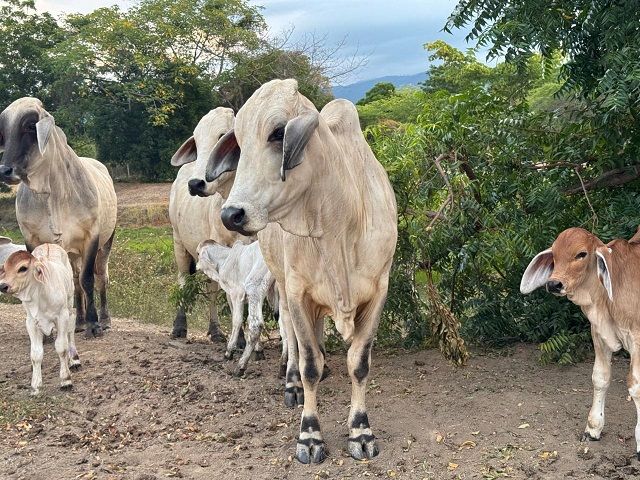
{"x":145,"y":407}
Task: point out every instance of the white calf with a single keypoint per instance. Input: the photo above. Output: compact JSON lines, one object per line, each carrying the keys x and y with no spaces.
{"x":43,"y":281}
{"x":243,"y":274}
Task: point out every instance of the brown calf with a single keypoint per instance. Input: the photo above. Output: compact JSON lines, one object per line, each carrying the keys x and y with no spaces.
{"x":604,"y":281}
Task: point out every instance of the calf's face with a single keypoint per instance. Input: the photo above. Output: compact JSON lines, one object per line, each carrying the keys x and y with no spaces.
{"x":269,"y":139}
{"x":20,"y":269}
{"x":576,"y":266}
{"x":25,"y":128}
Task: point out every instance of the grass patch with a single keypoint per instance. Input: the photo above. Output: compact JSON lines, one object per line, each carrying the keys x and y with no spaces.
{"x":143,"y":275}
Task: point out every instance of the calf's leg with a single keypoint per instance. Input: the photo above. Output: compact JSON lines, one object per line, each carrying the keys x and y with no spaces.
{"x":236,"y":301}
{"x":601,"y":378}
{"x":255,"y":322}
{"x":37,"y":353}
{"x":633,"y":382}
{"x":62,"y":349}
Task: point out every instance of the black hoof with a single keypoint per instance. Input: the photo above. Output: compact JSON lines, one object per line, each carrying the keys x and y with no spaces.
{"x":66,"y":387}
{"x":313,"y":453}
{"x":179,"y":333}
{"x":228,"y":355}
{"x":325,"y":372}
{"x":283,"y":371}
{"x":80,"y":327}
{"x":258,"y":356}
{"x":239,"y":372}
{"x":75,"y":367}
{"x":93,"y":331}
{"x":217,"y":336}
{"x":363,"y":447}
{"x":586,"y":436}
{"x":293,"y":396}
{"x":105,"y":323}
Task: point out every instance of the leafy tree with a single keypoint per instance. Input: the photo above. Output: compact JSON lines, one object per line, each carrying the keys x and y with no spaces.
{"x":25,"y":63}
{"x":402,"y":107}
{"x":379,"y":91}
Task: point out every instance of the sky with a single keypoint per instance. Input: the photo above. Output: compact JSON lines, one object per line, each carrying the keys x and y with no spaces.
{"x":388,"y":34}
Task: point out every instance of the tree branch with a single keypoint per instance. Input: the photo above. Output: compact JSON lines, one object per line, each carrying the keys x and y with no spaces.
{"x":612,"y":178}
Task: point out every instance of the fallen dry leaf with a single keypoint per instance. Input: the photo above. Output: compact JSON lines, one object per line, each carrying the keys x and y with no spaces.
{"x":452,"y":466}
{"x":524,"y":425}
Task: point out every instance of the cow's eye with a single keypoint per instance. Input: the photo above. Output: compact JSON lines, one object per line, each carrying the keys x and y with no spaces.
{"x":22,"y":269}
{"x":277,"y":135}
{"x":581,"y":255}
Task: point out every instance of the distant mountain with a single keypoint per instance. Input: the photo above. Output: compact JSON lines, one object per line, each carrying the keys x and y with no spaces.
{"x":356,"y":91}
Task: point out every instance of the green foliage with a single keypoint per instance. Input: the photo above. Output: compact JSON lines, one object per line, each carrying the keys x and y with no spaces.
{"x":565,"y":348}
{"x":486,"y":177}
{"x":379,"y":91}
{"x":403,"y":106}
{"x":186,"y":296}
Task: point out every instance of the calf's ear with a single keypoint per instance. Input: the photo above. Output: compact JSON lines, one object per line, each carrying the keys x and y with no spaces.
{"x":538,"y":272}
{"x":297,"y":134}
{"x":224,"y":157}
{"x":206,"y":262}
{"x":44,"y":127}
{"x":40,"y":272}
{"x":187,"y":153}
{"x":604,"y":274}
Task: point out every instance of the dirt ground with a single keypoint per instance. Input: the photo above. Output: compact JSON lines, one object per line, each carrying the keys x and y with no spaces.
{"x":146,"y":407}
{"x":142,"y":193}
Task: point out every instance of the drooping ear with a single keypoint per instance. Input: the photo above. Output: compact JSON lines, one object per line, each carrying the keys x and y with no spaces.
{"x":224,"y":157}
{"x":44,"y":127}
{"x":538,"y":272}
{"x":206,"y":260}
{"x":297,"y":133}
{"x":187,"y":153}
{"x":603,"y":269}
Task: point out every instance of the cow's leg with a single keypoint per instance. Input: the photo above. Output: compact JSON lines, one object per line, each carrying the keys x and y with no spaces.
{"x":293,"y":391}
{"x":37,"y":353}
{"x":310,"y":447}
{"x":80,"y":323}
{"x":326,"y":371}
{"x":74,"y":358}
{"x":362,"y":442}
{"x":62,"y":349}
{"x":601,"y":377}
{"x":87,"y":281}
{"x":634,"y":390}
{"x":186,"y":266}
{"x":236,"y":301}
{"x":214,"y":332}
{"x":285,"y":350}
{"x":102,"y":281}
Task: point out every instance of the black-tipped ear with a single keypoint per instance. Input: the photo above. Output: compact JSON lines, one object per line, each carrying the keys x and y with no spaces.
{"x":297,"y":133}
{"x":224,"y":157}
{"x":187,"y":153}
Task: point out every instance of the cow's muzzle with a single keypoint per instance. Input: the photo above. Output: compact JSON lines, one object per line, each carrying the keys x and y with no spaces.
{"x":234,"y":219}
{"x":555,"y":287}
{"x":8,"y":175}
{"x":4,"y":287}
{"x":196,"y":187}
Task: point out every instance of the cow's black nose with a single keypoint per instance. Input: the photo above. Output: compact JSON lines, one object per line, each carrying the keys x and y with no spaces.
{"x":554,"y":286}
{"x":6,"y":171}
{"x":233,"y":218}
{"x":4,"y":287}
{"x":196,"y":187}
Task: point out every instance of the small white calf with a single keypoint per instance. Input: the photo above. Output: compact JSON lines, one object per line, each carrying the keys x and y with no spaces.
{"x":43,"y":281}
{"x":242,"y":273}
